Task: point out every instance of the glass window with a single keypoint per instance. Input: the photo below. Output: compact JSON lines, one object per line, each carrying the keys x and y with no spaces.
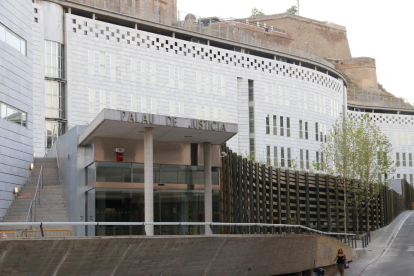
{"x":301,"y":159}
{"x":12,"y":39}
{"x":306,"y":130}
{"x":307,"y":159}
{"x":316,"y":132}
{"x":300,"y":129}
{"x":404,"y":160}
{"x":53,"y":59}
{"x":275,"y":161}
{"x":90,"y":174}
{"x":252,"y":147}
{"x":282,"y":156}
{"x":54,"y":129}
{"x":55,"y":100}
{"x":267,"y":124}
{"x":251,"y":91}
{"x":173,"y":174}
{"x":289,"y":157}
{"x":2,"y":33}
{"x":288,"y":127}
{"x":251,"y":122}
{"x":113,"y":172}
{"x":3,"y":110}
{"x":274,"y":125}
{"x":317,"y":158}
{"x":12,"y":114}
{"x":282,"y":133}
{"x":268,"y":154}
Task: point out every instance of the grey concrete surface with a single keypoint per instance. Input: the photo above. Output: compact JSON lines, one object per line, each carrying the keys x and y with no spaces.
{"x":377,"y":259}
{"x":52,"y":203}
{"x":398,"y":258}
{"x":168,"y":255}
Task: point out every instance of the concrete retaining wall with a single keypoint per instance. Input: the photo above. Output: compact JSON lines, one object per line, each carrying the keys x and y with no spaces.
{"x":169,"y":255}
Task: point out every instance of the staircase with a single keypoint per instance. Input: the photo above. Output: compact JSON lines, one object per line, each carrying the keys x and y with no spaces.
{"x":52,"y":205}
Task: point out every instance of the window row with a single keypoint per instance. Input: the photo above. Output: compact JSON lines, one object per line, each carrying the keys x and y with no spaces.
{"x":286,"y":159}
{"x":13,"y":115}
{"x":148,"y":104}
{"x":275,"y":125}
{"x":11,"y":38}
{"x":404,"y":161}
{"x":165,"y":174}
{"x":208,"y":81}
{"x":403,"y":138}
{"x":281,"y":95}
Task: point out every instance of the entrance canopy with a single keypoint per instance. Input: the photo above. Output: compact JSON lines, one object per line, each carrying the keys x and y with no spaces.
{"x":131,"y":125}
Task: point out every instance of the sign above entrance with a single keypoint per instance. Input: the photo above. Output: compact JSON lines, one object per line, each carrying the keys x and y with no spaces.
{"x":151,"y":119}
{"x":131,"y":125}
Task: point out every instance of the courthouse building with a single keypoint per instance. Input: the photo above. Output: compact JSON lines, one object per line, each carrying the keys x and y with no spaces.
{"x":83,"y":80}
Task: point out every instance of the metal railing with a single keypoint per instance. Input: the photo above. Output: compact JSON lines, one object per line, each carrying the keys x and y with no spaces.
{"x":31,"y":214}
{"x":215,"y":26}
{"x":366,"y":239}
{"x":254,"y":228}
{"x":373,"y":98}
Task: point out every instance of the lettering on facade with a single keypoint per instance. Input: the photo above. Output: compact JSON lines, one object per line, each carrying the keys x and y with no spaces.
{"x":171,"y":121}
{"x":137,"y":117}
{"x":206,"y":125}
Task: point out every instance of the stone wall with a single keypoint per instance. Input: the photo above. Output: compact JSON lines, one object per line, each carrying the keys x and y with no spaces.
{"x":168,"y":8}
{"x":324,"y":39}
{"x":169,"y":255}
{"x":362,"y":71}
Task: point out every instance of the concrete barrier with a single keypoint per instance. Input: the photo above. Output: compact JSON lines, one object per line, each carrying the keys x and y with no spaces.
{"x":169,"y":255}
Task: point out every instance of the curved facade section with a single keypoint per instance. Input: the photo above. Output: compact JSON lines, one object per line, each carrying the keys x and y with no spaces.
{"x":400,"y":131}
{"x":16,"y":97}
{"x":110,"y":66}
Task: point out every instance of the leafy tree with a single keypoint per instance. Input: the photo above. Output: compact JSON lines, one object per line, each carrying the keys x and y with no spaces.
{"x":358,"y":150}
{"x":256,"y":12}
{"x":292,"y":10}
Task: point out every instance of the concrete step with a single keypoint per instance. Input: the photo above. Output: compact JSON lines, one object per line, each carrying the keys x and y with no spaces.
{"x":52,"y":200}
{"x":58,"y":209}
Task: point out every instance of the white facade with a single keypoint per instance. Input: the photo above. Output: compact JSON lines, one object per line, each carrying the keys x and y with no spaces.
{"x":16,"y":97}
{"x":400,"y":130}
{"x":116,"y":67}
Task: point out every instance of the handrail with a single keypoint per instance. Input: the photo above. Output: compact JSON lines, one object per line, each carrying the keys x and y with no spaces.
{"x":57,"y":155}
{"x":350,"y":239}
{"x":39,"y":180}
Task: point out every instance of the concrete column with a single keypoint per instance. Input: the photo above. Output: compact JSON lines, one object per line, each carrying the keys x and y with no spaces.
{"x":208,"y":197}
{"x":173,"y":34}
{"x":149,"y":180}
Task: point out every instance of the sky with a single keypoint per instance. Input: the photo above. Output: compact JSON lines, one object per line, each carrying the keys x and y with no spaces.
{"x":379,"y":29}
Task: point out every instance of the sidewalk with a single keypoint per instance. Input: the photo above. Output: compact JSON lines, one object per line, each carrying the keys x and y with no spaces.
{"x":380,"y":240}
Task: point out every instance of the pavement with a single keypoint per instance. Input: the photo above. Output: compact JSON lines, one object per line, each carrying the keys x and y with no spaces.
{"x":387,"y":252}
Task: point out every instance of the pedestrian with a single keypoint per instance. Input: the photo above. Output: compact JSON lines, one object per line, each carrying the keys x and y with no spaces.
{"x":340,"y":261}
